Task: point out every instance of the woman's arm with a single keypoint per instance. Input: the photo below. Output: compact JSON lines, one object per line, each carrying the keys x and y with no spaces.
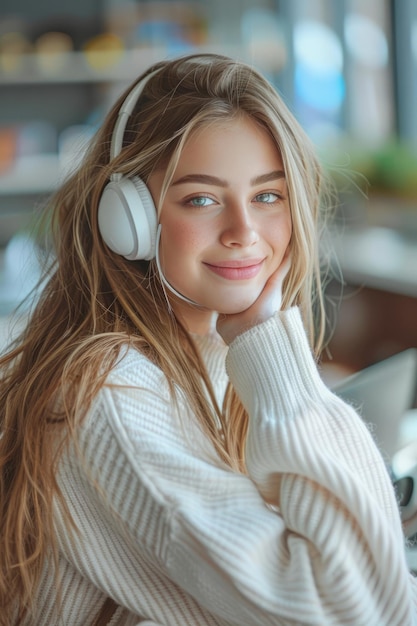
{"x":184,"y":540}
{"x":335,"y":553}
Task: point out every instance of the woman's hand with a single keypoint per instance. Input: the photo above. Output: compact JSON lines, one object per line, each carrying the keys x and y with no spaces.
{"x":268,"y":303}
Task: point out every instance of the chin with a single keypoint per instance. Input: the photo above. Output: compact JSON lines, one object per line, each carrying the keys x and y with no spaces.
{"x":232,"y":308}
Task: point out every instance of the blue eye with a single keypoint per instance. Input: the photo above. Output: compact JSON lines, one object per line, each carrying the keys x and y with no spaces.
{"x":268,"y":197}
{"x":200,"y":201}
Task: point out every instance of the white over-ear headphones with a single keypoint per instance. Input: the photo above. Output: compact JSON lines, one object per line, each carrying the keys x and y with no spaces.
{"x":127,"y":217}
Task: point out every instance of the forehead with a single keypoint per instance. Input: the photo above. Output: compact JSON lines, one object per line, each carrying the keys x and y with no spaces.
{"x":239,"y":138}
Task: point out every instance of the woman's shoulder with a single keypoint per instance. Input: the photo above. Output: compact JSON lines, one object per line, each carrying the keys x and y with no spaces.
{"x":142,"y":411}
{"x":134,"y":399}
{"x":133,"y":367}
{"x":134,"y":388}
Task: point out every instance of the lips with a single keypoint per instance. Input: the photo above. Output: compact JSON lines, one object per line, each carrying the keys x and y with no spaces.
{"x":237,"y":270}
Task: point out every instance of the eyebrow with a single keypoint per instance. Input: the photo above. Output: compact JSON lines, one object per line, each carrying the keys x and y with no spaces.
{"x":220,"y":182}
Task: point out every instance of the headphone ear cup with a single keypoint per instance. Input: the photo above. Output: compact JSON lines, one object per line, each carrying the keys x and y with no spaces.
{"x":127,"y":219}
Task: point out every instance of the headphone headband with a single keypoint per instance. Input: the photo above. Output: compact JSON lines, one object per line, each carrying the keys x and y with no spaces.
{"x":125,"y":112}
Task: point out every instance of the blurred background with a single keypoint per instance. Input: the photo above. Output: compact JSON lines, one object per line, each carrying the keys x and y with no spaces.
{"x":346,"y":68}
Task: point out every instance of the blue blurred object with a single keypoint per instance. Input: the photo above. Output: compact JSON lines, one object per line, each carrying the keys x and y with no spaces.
{"x":324,"y":91}
{"x":20,"y":273}
{"x":166,"y":34}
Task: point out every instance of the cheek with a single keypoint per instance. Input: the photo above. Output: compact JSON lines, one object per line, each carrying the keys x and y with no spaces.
{"x":181,"y":238}
{"x":280,"y":234}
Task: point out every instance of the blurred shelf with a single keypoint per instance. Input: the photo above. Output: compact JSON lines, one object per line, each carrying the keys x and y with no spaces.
{"x":75,"y":67}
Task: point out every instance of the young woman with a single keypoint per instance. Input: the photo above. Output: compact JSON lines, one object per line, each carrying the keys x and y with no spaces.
{"x":169,"y":454}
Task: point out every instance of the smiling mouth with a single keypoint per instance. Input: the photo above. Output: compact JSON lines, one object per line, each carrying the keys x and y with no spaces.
{"x":236,"y":270}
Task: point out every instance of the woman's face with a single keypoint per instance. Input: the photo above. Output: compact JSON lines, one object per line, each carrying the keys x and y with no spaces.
{"x":225,"y":219}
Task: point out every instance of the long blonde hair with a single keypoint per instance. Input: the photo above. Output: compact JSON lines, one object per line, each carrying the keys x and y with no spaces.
{"x":95,"y":301}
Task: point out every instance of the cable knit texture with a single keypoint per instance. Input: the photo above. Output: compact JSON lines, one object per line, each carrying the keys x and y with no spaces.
{"x":311,"y":537}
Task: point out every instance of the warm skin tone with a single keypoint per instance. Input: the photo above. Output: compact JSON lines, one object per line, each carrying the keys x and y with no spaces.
{"x":226,"y":227}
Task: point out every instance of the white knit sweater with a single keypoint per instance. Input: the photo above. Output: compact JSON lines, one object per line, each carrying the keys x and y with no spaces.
{"x":178,"y":539}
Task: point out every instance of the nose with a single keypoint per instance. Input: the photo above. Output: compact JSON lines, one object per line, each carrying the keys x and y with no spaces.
{"x":239,"y":227}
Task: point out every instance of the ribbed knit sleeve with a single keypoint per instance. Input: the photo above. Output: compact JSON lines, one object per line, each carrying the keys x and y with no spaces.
{"x":310,"y":537}
{"x":311,"y":455}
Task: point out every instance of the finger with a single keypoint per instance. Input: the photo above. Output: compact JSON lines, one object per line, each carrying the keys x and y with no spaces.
{"x":275,"y":282}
